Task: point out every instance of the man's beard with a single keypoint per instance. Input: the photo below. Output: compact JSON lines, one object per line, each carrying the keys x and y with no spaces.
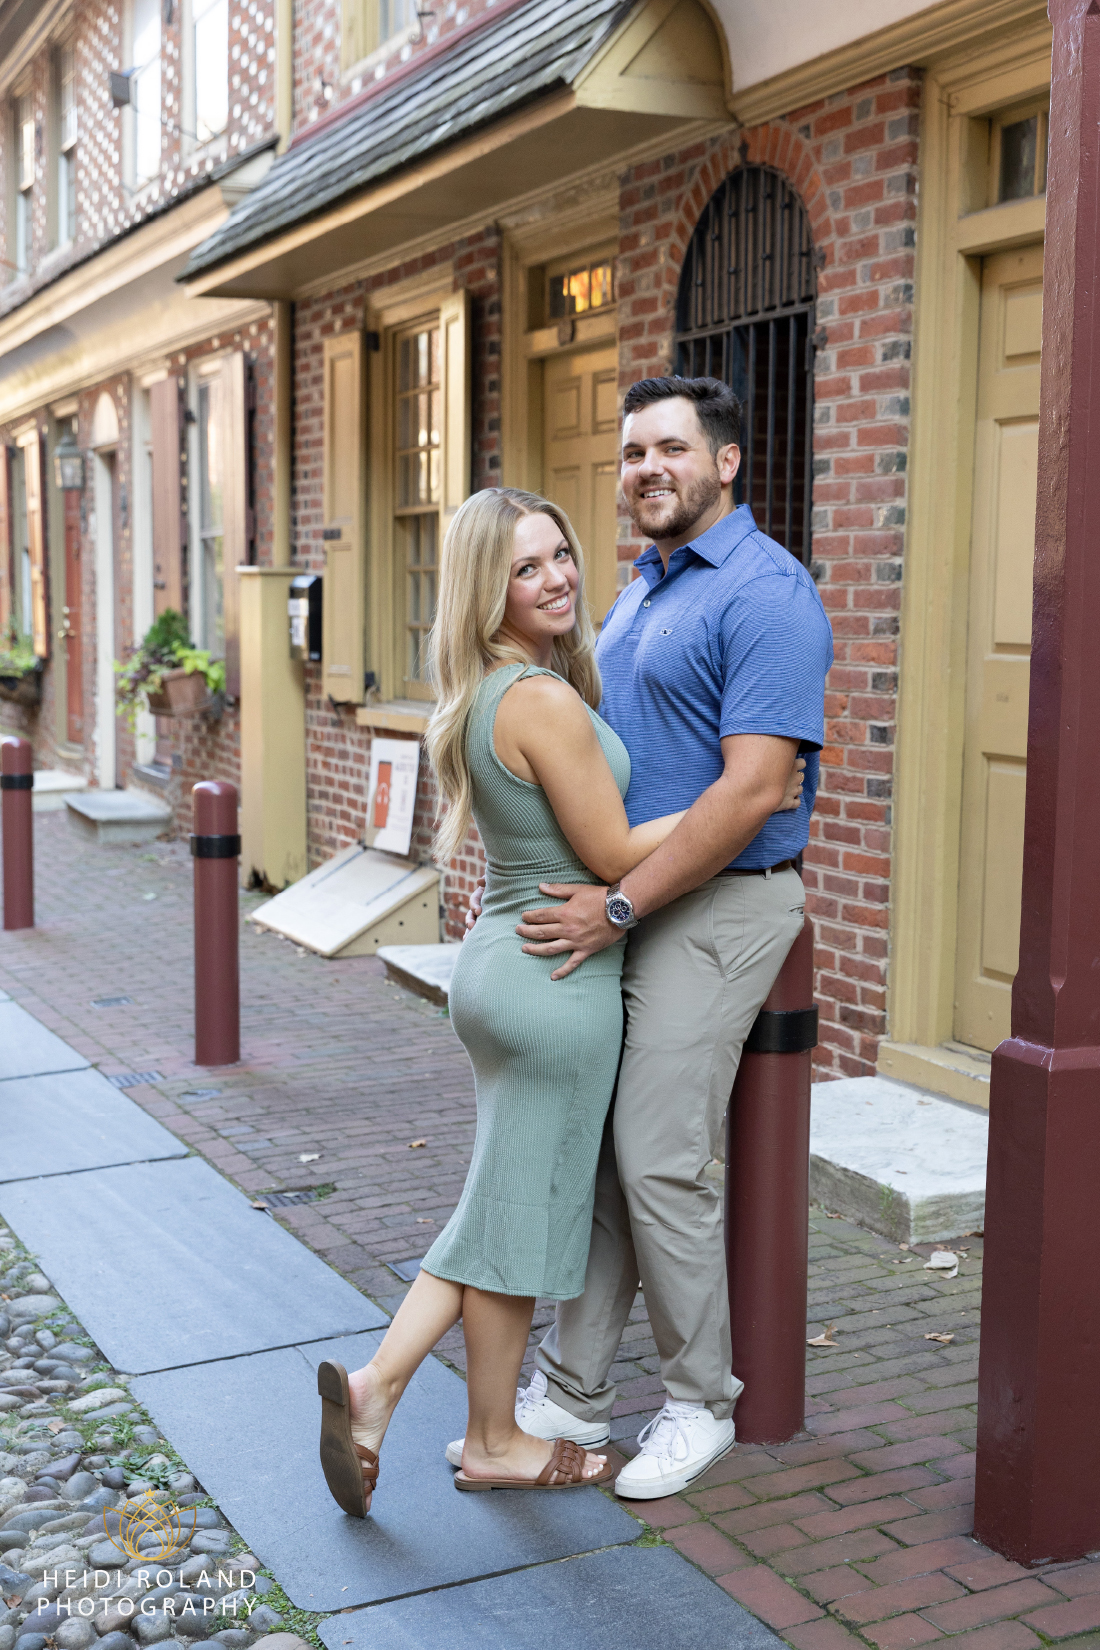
{"x":688,"y":507}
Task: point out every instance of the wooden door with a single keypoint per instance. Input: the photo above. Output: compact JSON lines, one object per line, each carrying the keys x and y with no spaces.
{"x":71,"y":631}
{"x":999,"y":644}
{"x":581,"y":459}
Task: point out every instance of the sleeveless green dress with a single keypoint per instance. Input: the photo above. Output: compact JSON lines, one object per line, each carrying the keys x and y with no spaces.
{"x":545,"y":1052}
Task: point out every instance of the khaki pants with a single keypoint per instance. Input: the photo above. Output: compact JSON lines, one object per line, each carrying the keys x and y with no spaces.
{"x":694,"y":978}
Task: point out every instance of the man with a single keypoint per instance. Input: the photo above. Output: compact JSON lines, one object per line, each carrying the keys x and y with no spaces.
{"x":713,"y":664}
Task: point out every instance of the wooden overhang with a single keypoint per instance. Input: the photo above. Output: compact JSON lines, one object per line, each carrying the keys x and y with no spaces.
{"x":535,"y":93}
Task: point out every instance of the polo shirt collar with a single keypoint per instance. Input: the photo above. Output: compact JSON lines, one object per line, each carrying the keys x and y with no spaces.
{"x":715,"y":546}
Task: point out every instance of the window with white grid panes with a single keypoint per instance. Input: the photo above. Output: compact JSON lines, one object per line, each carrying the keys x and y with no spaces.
{"x":416,"y":494}
{"x":211,"y":421}
{"x":145,"y":89}
{"x":65,"y":95}
{"x":210,"y":60}
{"x":24,"y":147}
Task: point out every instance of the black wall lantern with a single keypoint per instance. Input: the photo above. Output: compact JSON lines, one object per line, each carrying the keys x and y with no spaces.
{"x":68,"y":463}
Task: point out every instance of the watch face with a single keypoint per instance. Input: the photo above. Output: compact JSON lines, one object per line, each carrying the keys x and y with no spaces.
{"x":620,"y":910}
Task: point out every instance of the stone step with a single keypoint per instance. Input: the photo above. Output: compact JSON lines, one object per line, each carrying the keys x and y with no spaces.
{"x":52,"y":786}
{"x":118,"y":816}
{"x":897,"y":1159}
{"x":425,"y":969}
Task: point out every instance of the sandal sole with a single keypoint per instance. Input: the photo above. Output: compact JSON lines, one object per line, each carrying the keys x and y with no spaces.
{"x":461,"y":1482}
{"x":339,"y":1462}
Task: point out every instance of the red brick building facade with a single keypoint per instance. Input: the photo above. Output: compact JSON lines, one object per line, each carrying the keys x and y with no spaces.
{"x":853,"y":154}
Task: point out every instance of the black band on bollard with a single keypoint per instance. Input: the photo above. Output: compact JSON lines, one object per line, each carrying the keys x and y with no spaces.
{"x":16,"y":782}
{"x":215,"y":847}
{"x":783,"y":1031}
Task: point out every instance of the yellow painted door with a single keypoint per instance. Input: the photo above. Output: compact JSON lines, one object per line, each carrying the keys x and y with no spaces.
{"x":999,"y":644}
{"x":581,"y":459}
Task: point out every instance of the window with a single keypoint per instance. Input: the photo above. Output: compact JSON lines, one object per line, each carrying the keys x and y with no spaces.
{"x":1019,"y":155}
{"x":210,"y":61}
{"x":575,"y":291}
{"x":367,"y":25}
{"x":744,"y":313}
{"x":24,"y":183}
{"x":394,"y":16}
{"x":145,"y":90}
{"x":417,"y":496}
{"x":65,"y":145}
{"x":211,"y":514}
{"x":218,"y":514}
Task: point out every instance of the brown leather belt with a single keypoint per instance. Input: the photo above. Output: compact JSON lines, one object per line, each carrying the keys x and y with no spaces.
{"x":760,"y":871}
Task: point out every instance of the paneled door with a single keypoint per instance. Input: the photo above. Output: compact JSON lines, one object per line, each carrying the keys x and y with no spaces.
{"x":999,"y":644}
{"x":581,"y":459}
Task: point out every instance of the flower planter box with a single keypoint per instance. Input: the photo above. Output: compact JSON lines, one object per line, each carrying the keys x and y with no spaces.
{"x":184,"y":693}
{"x":24,"y":688}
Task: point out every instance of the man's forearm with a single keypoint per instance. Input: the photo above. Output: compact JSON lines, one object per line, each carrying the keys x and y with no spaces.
{"x":713,"y":832}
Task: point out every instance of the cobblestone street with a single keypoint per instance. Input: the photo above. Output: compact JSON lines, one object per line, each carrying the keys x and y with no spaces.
{"x":860,"y":1530}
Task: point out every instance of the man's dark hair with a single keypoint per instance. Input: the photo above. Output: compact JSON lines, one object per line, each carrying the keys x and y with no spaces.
{"x":717,"y":408}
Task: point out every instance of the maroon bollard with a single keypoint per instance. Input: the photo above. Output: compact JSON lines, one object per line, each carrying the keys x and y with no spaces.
{"x":216,"y":848}
{"x":768,"y":1203}
{"x":16,"y":784}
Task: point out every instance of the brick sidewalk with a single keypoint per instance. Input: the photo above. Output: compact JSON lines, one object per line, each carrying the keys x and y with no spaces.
{"x":858,"y":1532}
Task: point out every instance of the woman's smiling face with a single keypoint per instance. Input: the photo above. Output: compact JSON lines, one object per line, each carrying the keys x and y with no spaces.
{"x":542,"y":586}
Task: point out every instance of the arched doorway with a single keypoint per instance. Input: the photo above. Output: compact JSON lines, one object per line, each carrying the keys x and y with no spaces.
{"x":744,"y":313}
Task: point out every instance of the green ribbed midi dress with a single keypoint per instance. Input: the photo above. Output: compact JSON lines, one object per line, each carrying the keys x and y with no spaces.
{"x":545,"y":1052}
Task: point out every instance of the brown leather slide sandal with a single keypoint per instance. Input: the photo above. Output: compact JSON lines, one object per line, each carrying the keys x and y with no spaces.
{"x":563,"y":1471}
{"x":350,"y":1469}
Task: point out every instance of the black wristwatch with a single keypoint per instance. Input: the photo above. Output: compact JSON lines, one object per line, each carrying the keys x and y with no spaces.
{"x":619,"y":909}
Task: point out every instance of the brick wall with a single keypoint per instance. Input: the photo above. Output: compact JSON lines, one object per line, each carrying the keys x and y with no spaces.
{"x":105,"y":207}
{"x":338,"y":750}
{"x":853,"y":159}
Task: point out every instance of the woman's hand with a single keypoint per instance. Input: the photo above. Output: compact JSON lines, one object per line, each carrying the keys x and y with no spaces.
{"x":473,"y":910}
{"x":792,"y":796}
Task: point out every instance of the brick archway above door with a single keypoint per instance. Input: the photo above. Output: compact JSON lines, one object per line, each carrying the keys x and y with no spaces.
{"x":775,"y":145}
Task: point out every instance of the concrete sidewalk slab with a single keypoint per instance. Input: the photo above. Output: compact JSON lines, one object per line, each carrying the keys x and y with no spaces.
{"x":248,"y":1429}
{"x":167,"y":1264}
{"x":75,"y":1120}
{"x":618,"y":1600}
{"x":27,"y":1049}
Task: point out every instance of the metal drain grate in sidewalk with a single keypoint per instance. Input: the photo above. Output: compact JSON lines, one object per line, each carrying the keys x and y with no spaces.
{"x":133,"y":1079}
{"x":279,"y":1200}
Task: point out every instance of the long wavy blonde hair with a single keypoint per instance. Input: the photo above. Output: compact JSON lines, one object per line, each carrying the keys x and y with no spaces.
{"x":465,"y":643}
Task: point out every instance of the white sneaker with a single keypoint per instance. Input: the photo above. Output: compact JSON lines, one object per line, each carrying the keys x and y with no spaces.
{"x":542,"y":1418}
{"x":677,"y":1447}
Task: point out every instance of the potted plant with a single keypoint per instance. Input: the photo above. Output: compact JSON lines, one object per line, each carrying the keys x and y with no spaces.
{"x":167,"y":675}
{"x":20,"y":673}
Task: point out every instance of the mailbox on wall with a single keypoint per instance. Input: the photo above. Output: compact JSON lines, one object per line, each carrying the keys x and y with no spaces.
{"x":304,"y":611}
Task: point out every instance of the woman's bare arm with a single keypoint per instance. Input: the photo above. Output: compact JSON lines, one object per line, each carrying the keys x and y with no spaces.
{"x":544,"y":735}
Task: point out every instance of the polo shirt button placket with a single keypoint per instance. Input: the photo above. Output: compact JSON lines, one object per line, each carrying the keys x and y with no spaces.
{"x":646,"y":602}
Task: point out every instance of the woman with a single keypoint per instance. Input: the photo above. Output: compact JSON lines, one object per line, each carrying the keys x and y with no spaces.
{"x":516,"y":743}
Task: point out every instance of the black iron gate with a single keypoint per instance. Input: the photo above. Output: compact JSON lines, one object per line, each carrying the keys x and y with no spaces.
{"x":745,"y":314}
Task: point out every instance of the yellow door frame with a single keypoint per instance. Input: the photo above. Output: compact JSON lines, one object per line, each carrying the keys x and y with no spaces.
{"x":956,"y":228}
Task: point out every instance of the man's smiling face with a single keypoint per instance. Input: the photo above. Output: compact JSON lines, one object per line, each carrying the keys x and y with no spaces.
{"x":670,"y":478}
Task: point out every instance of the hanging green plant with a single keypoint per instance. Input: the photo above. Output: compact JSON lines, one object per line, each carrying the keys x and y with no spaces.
{"x":155,"y":676}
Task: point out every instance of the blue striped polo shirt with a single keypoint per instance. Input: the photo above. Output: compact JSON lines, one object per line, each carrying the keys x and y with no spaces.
{"x":732,"y":639}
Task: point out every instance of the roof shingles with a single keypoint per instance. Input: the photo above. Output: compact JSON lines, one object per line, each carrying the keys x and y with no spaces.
{"x":524,"y":54}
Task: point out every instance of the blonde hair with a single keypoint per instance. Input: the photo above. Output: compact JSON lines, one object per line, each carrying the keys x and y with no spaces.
{"x":475,"y":568}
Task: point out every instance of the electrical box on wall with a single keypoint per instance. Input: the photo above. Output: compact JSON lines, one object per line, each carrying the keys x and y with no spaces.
{"x":304,"y":612}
